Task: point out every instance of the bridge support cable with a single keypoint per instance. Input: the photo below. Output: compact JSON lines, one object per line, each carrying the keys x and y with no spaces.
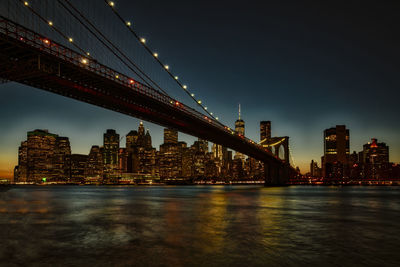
{"x":291,"y":157}
{"x":148,"y":81}
{"x":164,"y":67}
{"x":53,"y":27}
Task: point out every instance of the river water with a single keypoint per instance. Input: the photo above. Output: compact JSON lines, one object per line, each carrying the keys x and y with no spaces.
{"x":199,"y":226}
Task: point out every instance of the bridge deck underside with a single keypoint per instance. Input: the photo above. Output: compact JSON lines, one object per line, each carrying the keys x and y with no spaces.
{"x":27,"y":65}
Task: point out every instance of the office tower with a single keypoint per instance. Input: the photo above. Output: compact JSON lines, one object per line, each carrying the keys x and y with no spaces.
{"x":170,"y":136}
{"x":239,"y":129}
{"x":76,"y":167}
{"x":375,"y":159}
{"x":203,"y":145}
{"x":94,"y":165}
{"x":61,"y":150}
{"x":265,"y":130}
{"x":147,"y":140}
{"x":239,"y":124}
{"x":315,"y":171}
{"x":375,"y":153}
{"x":141,"y":141}
{"x":217,"y":152}
{"x":110,"y":151}
{"x":42,"y":157}
{"x":336,"y":152}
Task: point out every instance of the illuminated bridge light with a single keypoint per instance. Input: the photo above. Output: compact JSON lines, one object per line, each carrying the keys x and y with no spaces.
{"x":131,"y":81}
{"x":116,"y":76}
{"x":176,"y":77}
{"x":128,"y":23}
{"x":199,"y":101}
{"x":185,"y":87}
{"x":50,"y":23}
{"x":26,"y":3}
{"x":84,"y":61}
{"x":205,"y":108}
{"x":155,"y":54}
{"x":177,"y":103}
{"x":111,"y":3}
{"x":166,"y":67}
{"x":216,"y":118}
{"x":70,"y":39}
{"x":211,"y":113}
{"x":143,"y":40}
{"x":192,"y":95}
{"x":87,"y":53}
{"x":46,"y":41}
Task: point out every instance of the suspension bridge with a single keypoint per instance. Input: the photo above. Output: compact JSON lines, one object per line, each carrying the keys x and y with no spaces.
{"x":38,"y":48}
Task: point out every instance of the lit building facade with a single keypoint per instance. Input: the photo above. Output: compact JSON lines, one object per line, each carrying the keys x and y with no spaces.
{"x":42,"y":157}
{"x":375,"y":159}
{"x":110,"y":152}
{"x":336,"y":152}
{"x":239,"y":130}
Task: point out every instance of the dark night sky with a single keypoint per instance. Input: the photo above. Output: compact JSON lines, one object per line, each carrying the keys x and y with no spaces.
{"x":304,"y":66}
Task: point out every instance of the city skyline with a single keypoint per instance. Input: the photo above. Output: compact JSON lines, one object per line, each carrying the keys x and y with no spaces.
{"x":122,"y":142}
{"x":304,"y":80}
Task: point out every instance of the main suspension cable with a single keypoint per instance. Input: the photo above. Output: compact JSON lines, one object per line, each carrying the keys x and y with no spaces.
{"x":155,"y":56}
{"x":111,"y":43}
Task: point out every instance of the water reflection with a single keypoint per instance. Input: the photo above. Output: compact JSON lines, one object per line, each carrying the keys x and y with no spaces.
{"x":200,"y":225}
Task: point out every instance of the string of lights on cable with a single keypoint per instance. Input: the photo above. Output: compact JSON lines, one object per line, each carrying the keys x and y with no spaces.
{"x":155,"y":55}
{"x":51,"y":24}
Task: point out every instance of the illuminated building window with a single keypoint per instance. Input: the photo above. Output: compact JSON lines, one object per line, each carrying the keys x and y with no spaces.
{"x":331,"y":137}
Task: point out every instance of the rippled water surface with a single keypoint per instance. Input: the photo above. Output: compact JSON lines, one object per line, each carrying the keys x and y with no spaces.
{"x":199,"y":225}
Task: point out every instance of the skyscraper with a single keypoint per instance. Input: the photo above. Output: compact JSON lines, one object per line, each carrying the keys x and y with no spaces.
{"x":336,"y":152}
{"x":375,"y":159}
{"x":111,"y":148}
{"x":94,"y":164}
{"x":42,"y":155}
{"x":170,"y":136}
{"x":265,"y":130}
{"x":239,"y":124}
{"x":239,"y":129}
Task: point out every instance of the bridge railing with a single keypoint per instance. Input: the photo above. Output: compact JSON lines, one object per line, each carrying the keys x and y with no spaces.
{"x":44,"y":44}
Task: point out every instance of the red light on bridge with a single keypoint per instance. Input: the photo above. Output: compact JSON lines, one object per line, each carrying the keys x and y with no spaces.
{"x":21,"y":39}
{"x":46,"y":41}
{"x":131,"y":81}
{"x":177,"y":103}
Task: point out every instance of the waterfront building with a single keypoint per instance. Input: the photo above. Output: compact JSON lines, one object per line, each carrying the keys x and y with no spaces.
{"x":62,"y":150}
{"x":76,"y":165}
{"x":42,"y":157}
{"x":336,"y":152}
{"x":110,"y":152}
{"x":169,"y":158}
{"x":94,"y":165}
{"x":315,"y":171}
{"x":375,"y":159}
{"x":239,"y":130}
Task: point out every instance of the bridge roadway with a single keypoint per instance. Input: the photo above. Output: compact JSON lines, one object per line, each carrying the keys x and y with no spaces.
{"x":29,"y":58}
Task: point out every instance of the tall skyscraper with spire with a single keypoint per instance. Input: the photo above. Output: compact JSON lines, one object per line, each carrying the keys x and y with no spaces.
{"x":239,"y":129}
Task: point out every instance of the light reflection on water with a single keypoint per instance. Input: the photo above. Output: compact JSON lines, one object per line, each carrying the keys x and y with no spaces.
{"x":200,"y":225}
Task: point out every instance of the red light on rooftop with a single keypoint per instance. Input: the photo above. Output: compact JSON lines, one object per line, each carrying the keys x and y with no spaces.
{"x":374,"y":145}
